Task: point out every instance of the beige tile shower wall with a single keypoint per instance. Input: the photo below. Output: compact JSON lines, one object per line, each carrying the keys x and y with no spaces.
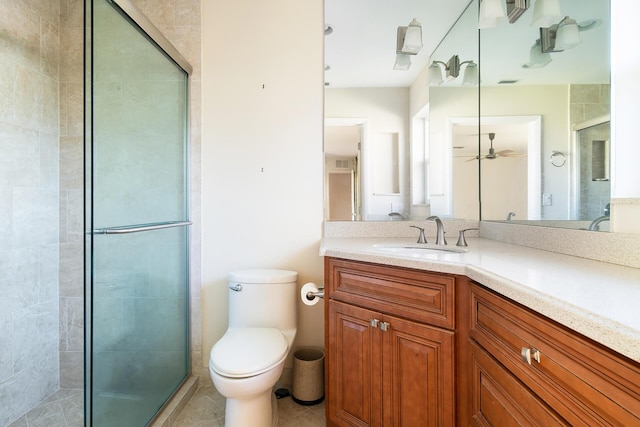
{"x":71,"y":195}
{"x":588,"y":102}
{"x":29,"y":251}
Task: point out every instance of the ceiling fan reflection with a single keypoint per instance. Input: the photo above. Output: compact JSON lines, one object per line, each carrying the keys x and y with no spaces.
{"x":493,"y":154}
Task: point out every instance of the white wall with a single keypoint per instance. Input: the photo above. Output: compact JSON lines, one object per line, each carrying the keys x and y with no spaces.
{"x":625,"y":69}
{"x":261,"y":150}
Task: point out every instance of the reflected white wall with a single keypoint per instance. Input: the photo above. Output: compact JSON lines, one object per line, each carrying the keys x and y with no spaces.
{"x":387,"y":114}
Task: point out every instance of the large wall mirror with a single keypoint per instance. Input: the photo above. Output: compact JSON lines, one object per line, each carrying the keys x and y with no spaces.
{"x":545,"y":111}
{"x":453,"y":178}
{"x":513,"y":122}
{"x":376,"y":116}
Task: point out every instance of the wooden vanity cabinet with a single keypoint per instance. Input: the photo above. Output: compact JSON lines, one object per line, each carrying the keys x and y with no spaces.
{"x":413,"y":348}
{"x":389,"y":344}
{"x":524,"y":369}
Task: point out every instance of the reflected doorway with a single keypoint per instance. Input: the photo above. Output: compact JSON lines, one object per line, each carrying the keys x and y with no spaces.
{"x":343,"y":141}
{"x":592,"y":186}
{"x":510,"y":177}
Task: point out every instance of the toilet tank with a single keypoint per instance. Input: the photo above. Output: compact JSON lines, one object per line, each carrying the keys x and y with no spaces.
{"x":263,"y":299}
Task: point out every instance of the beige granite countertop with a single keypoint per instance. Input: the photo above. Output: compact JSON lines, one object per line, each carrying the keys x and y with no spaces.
{"x":597,"y":299}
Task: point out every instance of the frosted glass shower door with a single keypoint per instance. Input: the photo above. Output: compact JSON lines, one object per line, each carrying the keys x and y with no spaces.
{"x":138,"y":342}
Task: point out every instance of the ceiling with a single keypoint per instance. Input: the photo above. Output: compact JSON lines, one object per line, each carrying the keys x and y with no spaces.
{"x":361,"y":53}
{"x":362,"y":48}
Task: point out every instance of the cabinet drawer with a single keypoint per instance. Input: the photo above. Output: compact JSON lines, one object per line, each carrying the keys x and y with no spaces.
{"x":498,"y":399}
{"x":413,"y":294}
{"x":585,"y":383}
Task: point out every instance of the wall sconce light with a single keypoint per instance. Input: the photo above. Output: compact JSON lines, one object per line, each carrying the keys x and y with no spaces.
{"x":452,"y":71}
{"x":568,"y":34}
{"x":515,"y":9}
{"x":403,"y":62}
{"x":409,"y":38}
{"x":546,"y":13}
{"x":490,"y":14}
{"x":492,"y":11}
{"x":408,"y":42}
{"x":559,"y":37}
{"x":537,"y":58}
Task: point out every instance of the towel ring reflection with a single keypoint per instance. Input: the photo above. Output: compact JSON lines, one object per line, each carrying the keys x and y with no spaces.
{"x":557,"y":158}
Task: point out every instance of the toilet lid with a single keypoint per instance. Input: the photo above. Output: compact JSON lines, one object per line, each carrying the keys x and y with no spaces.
{"x":243,"y":352}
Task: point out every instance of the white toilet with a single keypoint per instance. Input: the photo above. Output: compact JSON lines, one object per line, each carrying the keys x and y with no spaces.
{"x":248,"y":360}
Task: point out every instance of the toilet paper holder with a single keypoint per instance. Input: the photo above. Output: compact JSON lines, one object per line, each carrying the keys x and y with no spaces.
{"x":311,"y":295}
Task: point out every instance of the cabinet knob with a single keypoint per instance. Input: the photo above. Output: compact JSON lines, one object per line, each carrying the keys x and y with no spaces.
{"x":530,"y":353}
{"x":384,"y":326}
{"x":374,"y":323}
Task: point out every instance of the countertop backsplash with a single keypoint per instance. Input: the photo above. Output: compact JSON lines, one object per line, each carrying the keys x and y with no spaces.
{"x":614,"y":248}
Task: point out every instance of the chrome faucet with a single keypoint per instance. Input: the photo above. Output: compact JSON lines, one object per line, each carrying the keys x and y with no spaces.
{"x":462,"y":241}
{"x":421,"y":238}
{"x":440,"y":240}
{"x":595,"y":224}
{"x":510,"y":215}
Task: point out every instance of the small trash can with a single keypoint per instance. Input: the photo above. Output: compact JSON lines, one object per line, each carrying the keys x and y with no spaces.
{"x":308,"y":376}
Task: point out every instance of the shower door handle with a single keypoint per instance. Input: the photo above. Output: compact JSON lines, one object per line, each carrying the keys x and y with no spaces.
{"x":127,"y":229}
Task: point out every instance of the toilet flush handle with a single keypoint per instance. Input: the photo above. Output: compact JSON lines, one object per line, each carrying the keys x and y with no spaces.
{"x":236,"y":288}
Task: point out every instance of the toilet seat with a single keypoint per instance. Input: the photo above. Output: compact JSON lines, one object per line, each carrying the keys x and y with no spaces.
{"x":245,"y":352}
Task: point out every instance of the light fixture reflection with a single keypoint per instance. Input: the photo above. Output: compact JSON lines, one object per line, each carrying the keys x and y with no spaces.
{"x":470,"y":75}
{"x":412,"y":42}
{"x":435,"y":74}
{"x":452,"y":70}
{"x":567,"y":35}
{"x":408,"y":42}
{"x":403,"y":62}
{"x":546,"y":13}
{"x":537,"y":58}
{"x":490,"y":14}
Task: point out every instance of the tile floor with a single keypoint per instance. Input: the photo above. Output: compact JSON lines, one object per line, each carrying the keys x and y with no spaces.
{"x":64,"y":408}
{"x":206,"y":408}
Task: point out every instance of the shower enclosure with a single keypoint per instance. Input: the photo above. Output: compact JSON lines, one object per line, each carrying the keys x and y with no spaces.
{"x":93,"y":210}
{"x":136,"y":216}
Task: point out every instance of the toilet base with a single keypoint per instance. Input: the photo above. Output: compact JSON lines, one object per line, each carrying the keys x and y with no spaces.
{"x":259,"y":411}
{"x":248,"y":399}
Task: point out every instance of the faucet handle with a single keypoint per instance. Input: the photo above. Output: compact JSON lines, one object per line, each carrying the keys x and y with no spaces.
{"x":421,"y":238}
{"x":461,"y":239}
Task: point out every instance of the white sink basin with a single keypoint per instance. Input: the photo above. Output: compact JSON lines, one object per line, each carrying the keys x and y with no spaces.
{"x":417,"y":249}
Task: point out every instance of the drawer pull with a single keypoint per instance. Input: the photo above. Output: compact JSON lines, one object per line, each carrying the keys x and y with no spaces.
{"x":530,"y":353}
{"x":384,"y":326}
{"x":374,"y":323}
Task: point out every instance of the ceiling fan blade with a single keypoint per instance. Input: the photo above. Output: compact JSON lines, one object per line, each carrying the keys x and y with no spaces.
{"x":472,"y":159}
{"x":503,"y":152}
{"x":518,"y":155}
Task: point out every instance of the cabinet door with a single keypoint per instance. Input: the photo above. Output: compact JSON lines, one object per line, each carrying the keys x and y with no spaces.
{"x":354,"y":367}
{"x":418,"y":375}
{"x":498,"y":399}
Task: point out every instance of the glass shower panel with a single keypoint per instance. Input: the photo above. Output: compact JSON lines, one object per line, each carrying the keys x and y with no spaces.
{"x":594,"y":187}
{"x":139,"y":263}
